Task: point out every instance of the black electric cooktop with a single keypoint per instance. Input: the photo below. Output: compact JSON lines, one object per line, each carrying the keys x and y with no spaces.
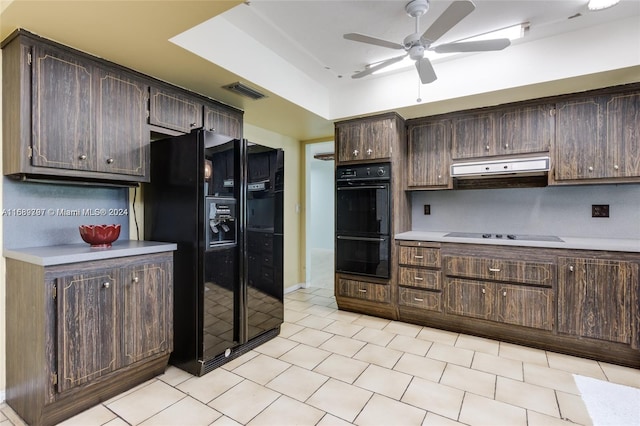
{"x":488,"y":236}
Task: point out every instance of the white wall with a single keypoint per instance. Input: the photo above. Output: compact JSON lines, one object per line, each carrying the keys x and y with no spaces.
{"x":321,"y":213}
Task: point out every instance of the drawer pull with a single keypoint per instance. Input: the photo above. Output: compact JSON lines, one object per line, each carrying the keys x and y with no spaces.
{"x":362,"y":290}
{"x":417,"y":299}
{"x":494,"y":269}
{"x":106,"y":284}
{"x":418,"y":257}
{"x":483,"y":291}
{"x":418,"y":278}
{"x":504,"y":293}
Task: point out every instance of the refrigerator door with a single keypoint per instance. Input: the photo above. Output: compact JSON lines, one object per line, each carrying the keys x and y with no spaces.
{"x":264,"y":243}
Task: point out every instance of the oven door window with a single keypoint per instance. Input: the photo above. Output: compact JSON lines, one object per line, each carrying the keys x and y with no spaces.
{"x":363,"y":209}
{"x":363,"y":256}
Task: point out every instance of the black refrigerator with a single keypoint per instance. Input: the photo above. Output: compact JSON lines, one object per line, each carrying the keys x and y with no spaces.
{"x":221,"y":201}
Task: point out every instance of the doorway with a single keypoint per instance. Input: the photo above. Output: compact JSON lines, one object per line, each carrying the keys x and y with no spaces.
{"x":319,"y":203}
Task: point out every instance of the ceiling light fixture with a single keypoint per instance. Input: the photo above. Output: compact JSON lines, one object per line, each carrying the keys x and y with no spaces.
{"x":601,"y":4}
{"x":513,"y":32}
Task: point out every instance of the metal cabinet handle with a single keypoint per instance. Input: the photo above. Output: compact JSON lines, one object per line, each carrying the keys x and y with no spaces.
{"x":192,"y":124}
{"x":369,"y":151}
{"x":418,"y":278}
{"x":571,"y":268}
{"x":504,"y":293}
{"x":135,"y":279}
{"x":362,"y":290}
{"x":106,"y":284}
{"x":506,"y":145}
{"x":615,"y":167}
{"x":486,"y":147}
{"x":82,"y":157}
{"x":110,"y":160}
{"x":418,"y":257}
{"x":494,"y":269}
{"x":590,"y":168}
{"x":417,"y":299}
{"x":483,"y":291}
{"x":355,"y":152}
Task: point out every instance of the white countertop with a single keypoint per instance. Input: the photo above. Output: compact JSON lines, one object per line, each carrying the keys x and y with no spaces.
{"x":72,"y":253}
{"x":606,"y":244}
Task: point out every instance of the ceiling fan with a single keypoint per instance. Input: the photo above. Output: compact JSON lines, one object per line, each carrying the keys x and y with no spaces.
{"x":415,"y":44}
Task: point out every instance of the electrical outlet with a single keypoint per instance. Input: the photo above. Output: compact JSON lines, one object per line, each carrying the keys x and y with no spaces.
{"x":600,"y":210}
{"x":427,"y":209}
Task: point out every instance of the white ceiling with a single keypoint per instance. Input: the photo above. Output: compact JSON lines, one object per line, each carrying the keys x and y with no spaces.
{"x":284,"y":47}
{"x":295,"y":49}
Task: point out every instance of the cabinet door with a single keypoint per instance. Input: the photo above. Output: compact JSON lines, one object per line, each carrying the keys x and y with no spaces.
{"x":228,"y":123}
{"x":147,"y":311}
{"x":62,"y":111}
{"x":525,"y":306}
{"x":578,"y":138}
{"x":364,"y":290}
{"x":174,"y":110}
{"x":469,"y":298}
{"x":429,"y":147}
{"x":623,"y":136}
{"x":473,"y":136}
{"x":595,"y":298}
{"x":349,"y":140}
{"x":377,"y":138}
{"x":122,"y":137}
{"x":525,"y":130}
{"x":87,"y":327}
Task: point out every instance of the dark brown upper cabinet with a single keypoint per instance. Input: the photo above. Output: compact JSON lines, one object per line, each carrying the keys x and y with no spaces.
{"x":429,"y":155}
{"x":175,"y":110}
{"x":70,"y":115}
{"x":598,"y":139}
{"x":367,"y":140}
{"x":224,"y":121}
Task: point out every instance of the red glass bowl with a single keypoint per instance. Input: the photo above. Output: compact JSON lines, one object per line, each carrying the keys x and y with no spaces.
{"x":99,"y":235}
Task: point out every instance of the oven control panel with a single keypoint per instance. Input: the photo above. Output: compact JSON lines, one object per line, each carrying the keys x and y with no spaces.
{"x":380,"y":171}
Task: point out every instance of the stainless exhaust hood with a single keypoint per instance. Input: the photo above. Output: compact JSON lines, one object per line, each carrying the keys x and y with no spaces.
{"x":503,"y":168}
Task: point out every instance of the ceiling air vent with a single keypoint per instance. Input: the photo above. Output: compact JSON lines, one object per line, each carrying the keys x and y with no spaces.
{"x":244,"y":90}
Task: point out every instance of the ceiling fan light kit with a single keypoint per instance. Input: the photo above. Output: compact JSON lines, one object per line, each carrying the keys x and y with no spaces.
{"x":416,"y":44}
{"x":594,"y":5}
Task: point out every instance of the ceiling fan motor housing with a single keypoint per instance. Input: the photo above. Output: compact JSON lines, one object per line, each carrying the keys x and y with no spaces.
{"x":417,"y":8}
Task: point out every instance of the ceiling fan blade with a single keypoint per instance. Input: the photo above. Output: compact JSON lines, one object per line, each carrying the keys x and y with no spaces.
{"x":473,"y":46}
{"x":425,"y":71}
{"x":372,"y":69}
{"x":455,"y":13}
{"x":372,"y":40}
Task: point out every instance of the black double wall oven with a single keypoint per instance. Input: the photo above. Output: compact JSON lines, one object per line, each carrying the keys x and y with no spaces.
{"x":363,"y":219}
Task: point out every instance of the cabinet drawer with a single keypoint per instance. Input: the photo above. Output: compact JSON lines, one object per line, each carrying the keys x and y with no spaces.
{"x":429,"y":300}
{"x":364,"y":290}
{"x":536,"y":273}
{"x":417,"y":277}
{"x":420,"y":256}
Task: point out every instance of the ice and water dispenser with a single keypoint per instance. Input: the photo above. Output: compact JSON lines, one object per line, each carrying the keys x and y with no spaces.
{"x":221,"y":226}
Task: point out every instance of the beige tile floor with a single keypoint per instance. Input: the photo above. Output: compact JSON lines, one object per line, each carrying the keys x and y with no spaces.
{"x":330,"y":367}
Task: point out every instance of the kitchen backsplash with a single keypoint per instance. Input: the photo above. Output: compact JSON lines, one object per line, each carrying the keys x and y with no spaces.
{"x":564,"y":211}
{"x":39,"y":214}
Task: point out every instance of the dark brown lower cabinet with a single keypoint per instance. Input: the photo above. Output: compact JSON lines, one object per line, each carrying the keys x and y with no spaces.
{"x":595,"y":298}
{"x":80,"y":333}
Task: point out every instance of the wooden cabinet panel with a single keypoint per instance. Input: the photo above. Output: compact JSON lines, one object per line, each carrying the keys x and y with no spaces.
{"x":496,"y":269}
{"x":473,"y":136}
{"x":225,"y":122}
{"x":349,"y":136}
{"x":429,"y":300}
{"x":378,"y":138}
{"x":578,"y":136}
{"x":122,"y":137}
{"x":525,"y":306}
{"x":595,"y":298}
{"x":62,"y":110}
{"x":527,"y":129}
{"x":419,"y":256}
{"x":364,"y":290}
{"x":174,"y":110}
{"x":87,"y":338}
{"x":147,"y":326}
{"x":623,"y":136}
{"x":429,"y":154}
{"x":469,"y":298}
{"x":418,"y":277}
